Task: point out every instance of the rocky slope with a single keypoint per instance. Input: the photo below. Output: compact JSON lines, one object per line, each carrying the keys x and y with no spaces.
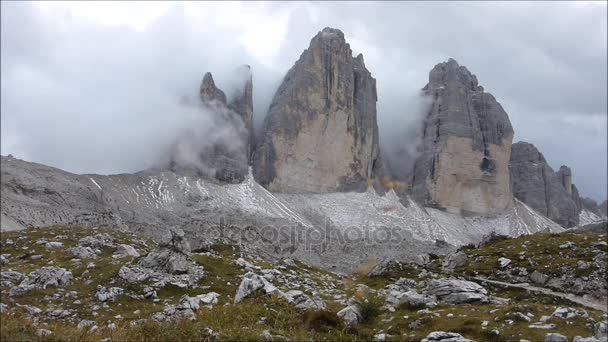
{"x":463,"y":162}
{"x":82,"y":283}
{"x":320,"y":134}
{"x":352,"y":226}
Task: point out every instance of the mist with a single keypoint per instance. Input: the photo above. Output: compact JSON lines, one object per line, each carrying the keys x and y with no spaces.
{"x":91,"y":92}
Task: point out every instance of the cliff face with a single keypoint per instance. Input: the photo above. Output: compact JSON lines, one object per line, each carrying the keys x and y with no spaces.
{"x":321,"y":134}
{"x":550,"y":193}
{"x":463,"y":162}
{"x":223,"y":149}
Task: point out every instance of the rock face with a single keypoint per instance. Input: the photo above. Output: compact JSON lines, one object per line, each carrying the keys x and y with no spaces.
{"x":535,"y":184}
{"x":223,"y":149}
{"x":321,"y":134}
{"x":464,"y":157}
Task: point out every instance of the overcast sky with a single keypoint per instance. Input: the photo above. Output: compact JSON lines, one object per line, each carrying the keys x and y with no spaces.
{"x":95,"y":87}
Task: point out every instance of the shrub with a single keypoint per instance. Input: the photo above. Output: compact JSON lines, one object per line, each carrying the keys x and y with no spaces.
{"x":369,"y":308}
{"x":321,"y":320}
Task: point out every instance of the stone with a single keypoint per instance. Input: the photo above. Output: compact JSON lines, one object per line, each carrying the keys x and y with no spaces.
{"x":350,"y":314}
{"x":174,"y":313}
{"x":82,"y":252}
{"x":104,"y":294}
{"x":43,"y":332}
{"x":586,"y":339}
{"x":43,"y":278}
{"x":98,"y":241}
{"x":194,"y":303}
{"x":10,"y":278}
{"x":600,"y":330}
{"x":454,"y":260}
{"x":504,"y":262}
{"x":463,"y":164}
{"x":320,"y":133}
{"x":123,"y":251}
{"x":555,"y":337}
{"x":538,"y":278}
{"x":567,"y":245}
{"x":3,"y":308}
{"x":542,"y":326}
{"x":85,"y":324}
{"x":445,"y":337}
{"x":536,"y":185}
{"x":53,"y":245}
{"x":455,"y":291}
{"x":251,"y":283}
{"x":303,"y":302}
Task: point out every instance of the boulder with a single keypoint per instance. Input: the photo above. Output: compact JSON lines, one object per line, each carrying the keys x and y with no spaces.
{"x":251,"y":283}
{"x":123,"y":251}
{"x":350,"y":314}
{"x":320,"y":133}
{"x":104,"y":294}
{"x":538,"y":278}
{"x":43,"y":278}
{"x":555,"y":337}
{"x":456,"y":291}
{"x":463,"y":164}
{"x":504,"y":262}
{"x":83,"y":252}
{"x":303,"y":302}
{"x":10,"y":278}
{"x":454,"y":260}
{"x":98,"y":241}
{"x":194,"y":303}
{"x":445,"y":337}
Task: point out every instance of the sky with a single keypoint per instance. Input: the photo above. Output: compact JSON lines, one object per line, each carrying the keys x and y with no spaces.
{"x":95,"y":87}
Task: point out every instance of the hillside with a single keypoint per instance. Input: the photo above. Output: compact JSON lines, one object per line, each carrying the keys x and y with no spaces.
{"x":91,"y":284}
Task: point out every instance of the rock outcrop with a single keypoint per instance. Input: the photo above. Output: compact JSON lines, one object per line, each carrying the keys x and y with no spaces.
{"x":464,"y":156}
{"x":223,"y":149}
{"x":535,"y":184}
{"x":321,"y":134}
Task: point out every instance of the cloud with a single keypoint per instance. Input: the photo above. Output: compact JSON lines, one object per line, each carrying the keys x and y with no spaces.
{"x":93,"y":97}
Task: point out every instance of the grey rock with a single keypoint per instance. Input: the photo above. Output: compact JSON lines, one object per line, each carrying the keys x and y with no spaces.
{"x":600,"y":330}
{"x":98,"y":241}
{"x":104,"y":294}
{"x":251,"y":283}
{"x":82,"y":252}
{"x":350,"y":314}
{"x":463,"y":164}
{"x":454,"y":260}
{"x":85,"y":323}
{"x":123,"y":251}
{"x":538,"y":278}
{"x":10,"y":278}
{"x":320,"y":133}
{"x":445,"y":337}
{"x":3,"y":308}
{"x":535,"y":184}
{"x":586,"y":339}
{"x":43,"y":332}
{"x":555,"y":337}
{"x":504,"y":262}
{"x":42,"y":278}
{"x":303,"y":302}
{"x":53,"y":245}
{"x":194,"y":303}
{"x":174,"y":313}
{"x":455,"y":291}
